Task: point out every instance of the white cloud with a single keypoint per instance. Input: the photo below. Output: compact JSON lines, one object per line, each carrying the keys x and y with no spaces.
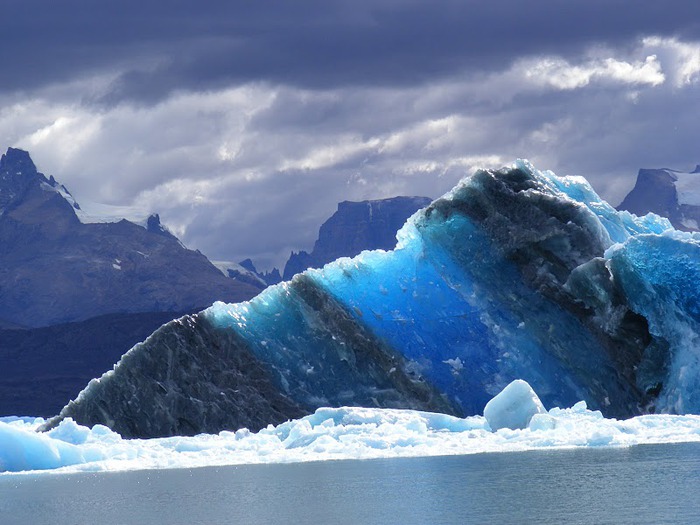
{"x":682,"y":59}
{"x":112,"y":155}
{"x":560,"y":74}
{"x":68,"y":135}
{"x":344,"y":148}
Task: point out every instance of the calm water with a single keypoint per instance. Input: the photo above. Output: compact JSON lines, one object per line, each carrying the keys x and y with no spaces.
{"x":646,"y":484}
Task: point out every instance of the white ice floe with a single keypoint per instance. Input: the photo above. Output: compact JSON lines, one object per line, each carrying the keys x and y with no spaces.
{"x":514,"y":407}
{"x":329,"y":433}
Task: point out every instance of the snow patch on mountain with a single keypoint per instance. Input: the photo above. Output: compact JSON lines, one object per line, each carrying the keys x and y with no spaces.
{"x":688,"y":188}
{"x":95,"y":213}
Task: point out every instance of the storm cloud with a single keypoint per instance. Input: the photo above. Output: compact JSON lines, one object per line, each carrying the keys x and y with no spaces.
{"x":244,"y":123}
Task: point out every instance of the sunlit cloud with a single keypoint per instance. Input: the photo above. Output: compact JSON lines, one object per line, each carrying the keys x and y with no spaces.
{"x":682,"y":59}
{"x":560,"y":74}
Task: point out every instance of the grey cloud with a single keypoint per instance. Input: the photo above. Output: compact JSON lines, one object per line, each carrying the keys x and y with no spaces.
{"x":163,"y":47}
{"x":357,"y":143}
{"x":267,"y":220}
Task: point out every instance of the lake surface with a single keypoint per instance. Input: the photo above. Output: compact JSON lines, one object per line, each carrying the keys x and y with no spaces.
{"x":651,"y":484}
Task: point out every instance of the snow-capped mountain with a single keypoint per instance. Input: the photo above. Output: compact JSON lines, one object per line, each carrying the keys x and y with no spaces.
{"x":80,"y":285}
{"x":60,"y":264}
{"x":669,"y":193}
{"x":513,"y":274}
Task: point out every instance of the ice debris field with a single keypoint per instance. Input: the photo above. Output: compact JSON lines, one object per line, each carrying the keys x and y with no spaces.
{"x":521,"y":421}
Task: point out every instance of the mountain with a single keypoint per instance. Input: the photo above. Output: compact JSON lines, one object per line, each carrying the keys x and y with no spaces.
{"x":79,"y":286}
{"x":669,"y":193}
{"x":59,"y":264}
{"x":269,"y":278}
{"x":354,"y":227}
{"x":515,"y":273}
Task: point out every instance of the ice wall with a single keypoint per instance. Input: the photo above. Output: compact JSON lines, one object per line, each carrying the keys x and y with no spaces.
{"x":515,"y":273}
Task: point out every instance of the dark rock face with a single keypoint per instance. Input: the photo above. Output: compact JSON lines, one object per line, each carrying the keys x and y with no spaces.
{"x":656,"y":191}
{"x":356,"y":226}
{"x":298,"y":262}
{"x":55,"y":269}
{"x":17,"y":175}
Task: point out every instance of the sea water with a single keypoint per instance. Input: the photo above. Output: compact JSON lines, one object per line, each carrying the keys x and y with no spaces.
{"x":651,"y":484}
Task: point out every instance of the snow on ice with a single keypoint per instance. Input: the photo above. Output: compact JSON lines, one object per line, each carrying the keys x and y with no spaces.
{"x":339,"y":433}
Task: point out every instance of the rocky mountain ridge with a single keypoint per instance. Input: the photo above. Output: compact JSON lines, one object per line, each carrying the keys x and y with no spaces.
{"x":354,"y":227}
{"x":56,"y":269}
{"x":670,"y":193}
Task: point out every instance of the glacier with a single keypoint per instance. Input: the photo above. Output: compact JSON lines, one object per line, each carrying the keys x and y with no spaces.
{"x":515,"y":273}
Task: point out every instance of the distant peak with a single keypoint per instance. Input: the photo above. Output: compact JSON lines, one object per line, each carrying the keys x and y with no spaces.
{"x":17,"y":160}
{"x":154,"y":225}
{"x":18,"y":175}
{"x":248,"y":265}
{"x":154,"y":220}
{"x":697,"y":169}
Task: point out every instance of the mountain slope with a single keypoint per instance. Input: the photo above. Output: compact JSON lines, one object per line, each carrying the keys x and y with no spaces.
{"x":55,"y":268}
{"x":79,"y":288}
{"x":44,"y":368}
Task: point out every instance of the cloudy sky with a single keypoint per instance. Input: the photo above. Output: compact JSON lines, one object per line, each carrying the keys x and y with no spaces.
{"x":244,"y":123}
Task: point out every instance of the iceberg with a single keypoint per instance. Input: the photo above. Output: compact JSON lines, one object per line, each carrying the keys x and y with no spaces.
{"x":335,"y":434}
{"x":513,"y":274}
{"x":514,"y":407}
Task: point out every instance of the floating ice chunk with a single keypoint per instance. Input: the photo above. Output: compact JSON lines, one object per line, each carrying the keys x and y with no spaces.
{"x":513,"y":407}
{"x":23,"y":449}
